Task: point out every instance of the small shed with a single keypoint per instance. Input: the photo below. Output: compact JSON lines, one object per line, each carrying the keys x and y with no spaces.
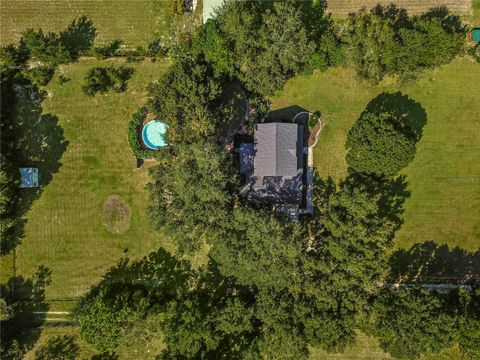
{"x":474,"y":35}
{"x":30,"y":178}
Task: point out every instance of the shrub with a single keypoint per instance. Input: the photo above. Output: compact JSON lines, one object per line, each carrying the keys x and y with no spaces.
{"x":102,"y":79}
{"x":134,"y":128}
{"x":313,"y":121}
{"x":63,"y":79}
{"x":157,"y":48}
{"x":107,"y":50}
{"x":133,"y":59}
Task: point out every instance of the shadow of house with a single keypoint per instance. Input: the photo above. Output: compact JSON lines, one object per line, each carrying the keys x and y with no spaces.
{"x":430,"y":262}
{"x":284,"y":114}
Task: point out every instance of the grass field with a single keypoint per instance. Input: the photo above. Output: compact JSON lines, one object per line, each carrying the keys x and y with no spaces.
{"x":136,"y":22}
{"x":367,"y":348}
{"x":344,"y":7}
{"x":444,"y":178}
{"x":65,"y":231}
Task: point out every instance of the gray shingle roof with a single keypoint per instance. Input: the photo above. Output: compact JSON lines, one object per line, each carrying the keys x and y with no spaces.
{"x":278,"y":149}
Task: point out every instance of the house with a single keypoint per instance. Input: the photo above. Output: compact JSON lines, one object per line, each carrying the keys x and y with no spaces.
{"x":273,"y":165}
{"x":29,"y":178}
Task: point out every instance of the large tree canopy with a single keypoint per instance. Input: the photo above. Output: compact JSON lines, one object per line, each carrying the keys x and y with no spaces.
{"x":379,"y":144}
{"x":388,"y":41}
{"x":189,"y":195}
{"x":412,"y":321}
{"x":270,"y":43}
{"x":189,"y":98}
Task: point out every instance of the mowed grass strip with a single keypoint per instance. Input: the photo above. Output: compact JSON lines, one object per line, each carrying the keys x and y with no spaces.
{"x":65,"y":230}
{"x":368,"y":348}
{"x":345,"y":7}
{"x":136,"y":22}
{"x":444,"y":178}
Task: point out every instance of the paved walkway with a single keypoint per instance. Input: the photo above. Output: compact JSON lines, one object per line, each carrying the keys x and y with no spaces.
{"x":309,"y":197}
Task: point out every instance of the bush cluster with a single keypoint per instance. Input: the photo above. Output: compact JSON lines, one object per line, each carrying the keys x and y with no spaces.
{"x":389,"y":42}
{"x":102,"y":79}
{"x":134,"y":128}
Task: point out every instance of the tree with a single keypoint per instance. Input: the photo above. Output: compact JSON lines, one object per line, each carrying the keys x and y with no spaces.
{"x":258,"y":248}
{"x":102,"y":79}
{"x":270,"y":42}
{"x":190,"y":99}
{"x":388,"y":41}
{"x":282,"y":335}
{"x":79,"y":36}
{"x":279,"y":51}
{"x":103,"y":321}
{"x":411,"y":321}
{"x":347,"y":260}
{"x":47,"y":48}
{"x":214,"y":317}
{"x":40,"y":75}
{"x":378,"y":143}
{"x":190,"y":193}
{"x":14,"y":56}
{"x":128,"y":295}
{"x":433,"y":39}
{"x":59,"y":348}
{"x":216,"y":49}
{"x":469,"y":330}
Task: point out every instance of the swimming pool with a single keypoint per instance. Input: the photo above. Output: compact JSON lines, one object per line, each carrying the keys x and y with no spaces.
{"x":153,"y":134}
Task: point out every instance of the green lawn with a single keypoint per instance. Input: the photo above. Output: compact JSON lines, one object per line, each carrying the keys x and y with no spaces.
{"x":136,"y":22}
{"x":64,"y":231}
{"x":444,"y":178}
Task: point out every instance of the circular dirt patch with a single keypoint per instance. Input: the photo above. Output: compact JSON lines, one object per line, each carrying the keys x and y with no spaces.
{"x":116,"y":215}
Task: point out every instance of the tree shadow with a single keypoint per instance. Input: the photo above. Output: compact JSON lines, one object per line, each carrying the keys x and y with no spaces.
{"x":38,"y":142}
{"x":450,"y":22}
{"x":407,"y":111}
{"x":27,"y":296}
{"x":314,"y":17}
{"x":432,"y":263}
{"x":157,"y":276}
{"x":393,"y":193}
{"x":79,"y":36}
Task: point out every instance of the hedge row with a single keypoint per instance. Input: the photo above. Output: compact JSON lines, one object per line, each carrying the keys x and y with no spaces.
{"x":134,"y":129}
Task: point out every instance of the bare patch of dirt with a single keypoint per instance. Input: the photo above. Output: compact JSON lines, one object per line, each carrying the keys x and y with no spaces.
{"x":116,"y":215}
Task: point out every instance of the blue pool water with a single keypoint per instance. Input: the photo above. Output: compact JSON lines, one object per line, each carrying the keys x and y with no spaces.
{"x":153,"y":134}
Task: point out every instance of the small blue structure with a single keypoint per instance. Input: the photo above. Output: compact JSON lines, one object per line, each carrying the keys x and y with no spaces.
{"x":153,"y":134}
{"x":30,"y":178}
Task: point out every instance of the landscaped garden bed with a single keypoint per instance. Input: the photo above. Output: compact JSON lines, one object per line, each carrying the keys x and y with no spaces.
{"x":139,"y":150}
{"x":314,"y":128}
